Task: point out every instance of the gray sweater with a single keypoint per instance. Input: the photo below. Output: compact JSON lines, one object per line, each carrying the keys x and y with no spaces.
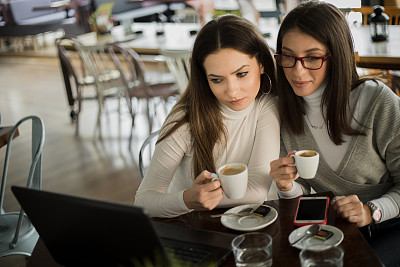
{"x":371,"y":165}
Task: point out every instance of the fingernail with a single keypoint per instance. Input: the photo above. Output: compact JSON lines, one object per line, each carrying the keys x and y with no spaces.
{"x":214,"y":175}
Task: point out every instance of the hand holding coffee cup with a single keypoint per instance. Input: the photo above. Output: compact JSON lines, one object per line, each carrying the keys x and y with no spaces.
{"x":233,"y":178}
{"x":306,"y":162}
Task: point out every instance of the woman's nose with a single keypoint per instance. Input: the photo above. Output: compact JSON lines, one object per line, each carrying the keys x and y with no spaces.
{"x":298,"y":67}
{"x":232,"y":88}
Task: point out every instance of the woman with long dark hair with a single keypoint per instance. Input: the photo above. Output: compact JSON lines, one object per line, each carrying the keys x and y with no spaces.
{"x":353,"y":123}
{"x":227,"y":114}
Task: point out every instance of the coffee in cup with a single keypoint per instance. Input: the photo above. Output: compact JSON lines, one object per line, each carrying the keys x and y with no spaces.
{"x":230,"y":170}
{"x":233,"y":178}
{"x":308,"y":153}
{"x":306,"y":162}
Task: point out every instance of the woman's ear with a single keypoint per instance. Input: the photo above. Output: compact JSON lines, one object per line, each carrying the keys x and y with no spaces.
{"x":261,"y":69}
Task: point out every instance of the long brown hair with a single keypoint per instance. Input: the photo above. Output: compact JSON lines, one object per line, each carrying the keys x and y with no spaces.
{"x":325,"y":23}
{"x":198,"y":105}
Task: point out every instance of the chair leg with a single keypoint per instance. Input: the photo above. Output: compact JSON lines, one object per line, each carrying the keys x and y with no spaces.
{"x":98,"y":123}
{"x":150,"y":118}
{"x":79,"y":100}
{"x":131,"y":136}
{"x":132,"y":113}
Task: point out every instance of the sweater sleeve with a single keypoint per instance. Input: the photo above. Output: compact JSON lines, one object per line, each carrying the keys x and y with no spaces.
{"x":153,"y":192}
{"x":387,"y":132}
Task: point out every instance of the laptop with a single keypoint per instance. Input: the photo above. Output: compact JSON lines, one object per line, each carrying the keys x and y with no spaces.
{"x":85,"y":232}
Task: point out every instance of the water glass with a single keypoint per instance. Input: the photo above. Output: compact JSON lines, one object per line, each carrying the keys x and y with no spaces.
{"x":321,"y":255}
{"x":252,"y":249}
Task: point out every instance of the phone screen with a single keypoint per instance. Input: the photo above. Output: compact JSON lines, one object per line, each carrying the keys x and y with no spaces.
{"x":311,"y":210}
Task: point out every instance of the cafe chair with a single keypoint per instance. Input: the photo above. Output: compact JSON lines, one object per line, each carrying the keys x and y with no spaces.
{"x":178,"y":64}
{"x":76,"y":79}
{"x":147,"y":150}
{"x":107,"y":79}
{"x":392,"y":11}
{"x":136,"y":88}
{"x":18,"y":236}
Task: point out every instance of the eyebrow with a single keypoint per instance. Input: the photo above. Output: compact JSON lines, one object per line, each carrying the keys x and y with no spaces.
{"x":236,"y":71}
{"x":315,"y":49}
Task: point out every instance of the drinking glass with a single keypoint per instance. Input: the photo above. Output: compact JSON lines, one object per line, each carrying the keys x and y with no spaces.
{"x":252,"y":249}
{"x":321,"y":255}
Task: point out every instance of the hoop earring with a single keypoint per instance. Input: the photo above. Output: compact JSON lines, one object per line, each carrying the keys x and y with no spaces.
{"x":270,"y":84}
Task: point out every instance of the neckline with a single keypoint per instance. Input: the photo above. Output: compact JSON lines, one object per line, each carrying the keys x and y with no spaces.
{"x":233,"y":114}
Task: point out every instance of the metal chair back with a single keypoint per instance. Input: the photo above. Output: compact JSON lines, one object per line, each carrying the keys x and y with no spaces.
{"x":18,"y":236}
{"x":147,"y":149}
{"x":107,"y":79}
{"x":178,"y":64}
{"x":76,"y":78}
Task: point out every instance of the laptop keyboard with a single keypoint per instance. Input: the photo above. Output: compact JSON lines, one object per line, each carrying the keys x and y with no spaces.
{"x":187,"y":253}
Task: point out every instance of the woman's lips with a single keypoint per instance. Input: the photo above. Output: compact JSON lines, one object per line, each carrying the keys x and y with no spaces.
{"x":236,"y":102}
{"x":300,"y":84}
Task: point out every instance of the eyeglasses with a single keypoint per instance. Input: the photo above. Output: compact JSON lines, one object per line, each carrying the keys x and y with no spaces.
{"x":311,"y":63}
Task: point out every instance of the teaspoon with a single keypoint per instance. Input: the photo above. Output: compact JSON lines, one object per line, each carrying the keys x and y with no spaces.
{"x":241,"y":213}
{"x":312,"y":230}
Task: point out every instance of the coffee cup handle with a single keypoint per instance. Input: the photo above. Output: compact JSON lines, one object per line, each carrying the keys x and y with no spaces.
{"x":214,"y":177}
{"x":293,"y":156}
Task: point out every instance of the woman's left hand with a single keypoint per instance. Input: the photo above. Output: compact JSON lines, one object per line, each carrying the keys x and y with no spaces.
{"x":352,"y":209}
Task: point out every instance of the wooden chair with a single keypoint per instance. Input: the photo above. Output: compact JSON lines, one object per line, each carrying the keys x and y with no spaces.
{"x":392,"y":12}
{"x":132,"y":70}
{"x":18,"y":236}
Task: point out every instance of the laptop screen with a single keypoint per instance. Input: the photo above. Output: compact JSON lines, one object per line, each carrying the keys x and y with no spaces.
{"x":85,"y":232}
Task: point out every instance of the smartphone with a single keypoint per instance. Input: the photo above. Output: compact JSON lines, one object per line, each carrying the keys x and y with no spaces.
{"x":311,"y":210}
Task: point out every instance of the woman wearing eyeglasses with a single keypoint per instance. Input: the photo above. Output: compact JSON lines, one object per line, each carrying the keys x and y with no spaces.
{"x":353,"y":123}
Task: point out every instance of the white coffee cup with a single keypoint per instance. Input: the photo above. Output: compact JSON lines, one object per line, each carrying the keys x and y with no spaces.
{"x":233,"y":178}
{"x":306,"y":162}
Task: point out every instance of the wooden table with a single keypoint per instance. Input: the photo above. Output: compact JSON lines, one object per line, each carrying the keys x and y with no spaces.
{"x":377,"y":55}
{"x":357,"y":251}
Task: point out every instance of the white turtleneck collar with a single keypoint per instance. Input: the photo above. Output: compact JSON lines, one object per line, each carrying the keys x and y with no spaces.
{"x":233,"y":114}
{"x":328,"y":150}
{"x":313,"y":102}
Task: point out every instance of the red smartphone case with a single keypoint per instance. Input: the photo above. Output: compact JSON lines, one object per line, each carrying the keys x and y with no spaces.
{"x":309,"y":223}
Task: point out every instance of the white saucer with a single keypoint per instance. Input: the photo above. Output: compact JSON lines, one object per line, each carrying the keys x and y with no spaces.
{"x":248,"y":223}
{"x":335,"y":240}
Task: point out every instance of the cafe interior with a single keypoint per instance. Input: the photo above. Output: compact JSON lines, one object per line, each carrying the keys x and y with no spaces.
{"x":67,"y":108}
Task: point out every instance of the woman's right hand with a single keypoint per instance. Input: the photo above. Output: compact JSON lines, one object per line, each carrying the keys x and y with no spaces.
{"x":204,"y":194}
{"x":283,"y":172}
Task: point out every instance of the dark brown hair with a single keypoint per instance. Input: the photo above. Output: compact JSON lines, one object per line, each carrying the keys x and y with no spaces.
{"x":198,"y":105}
{"x":325,"y":23}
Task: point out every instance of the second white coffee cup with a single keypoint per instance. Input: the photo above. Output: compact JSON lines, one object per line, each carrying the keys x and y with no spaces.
{"x":233,"y":177}
{"x":306,"y":162}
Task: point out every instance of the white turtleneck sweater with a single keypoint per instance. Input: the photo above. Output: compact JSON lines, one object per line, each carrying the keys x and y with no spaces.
{"x":333,"y":154}
{"x":253,"y":139}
